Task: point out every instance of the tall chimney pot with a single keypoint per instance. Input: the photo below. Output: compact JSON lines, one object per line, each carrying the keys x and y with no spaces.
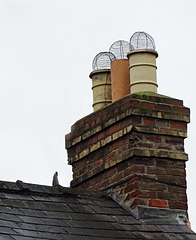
{"x":142,"y":67}
{"x":120,"y":78}
{"x":101,"y":86}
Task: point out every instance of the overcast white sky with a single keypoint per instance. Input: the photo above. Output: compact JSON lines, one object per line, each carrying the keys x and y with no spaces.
{"x":46,"y":53}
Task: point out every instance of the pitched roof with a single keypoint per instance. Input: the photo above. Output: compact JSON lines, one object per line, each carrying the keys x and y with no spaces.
{"x":29,"y":211}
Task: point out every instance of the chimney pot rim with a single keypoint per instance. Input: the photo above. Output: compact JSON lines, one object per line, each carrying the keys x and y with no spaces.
{"x":142,"y":51}
{"x":99,"y":71}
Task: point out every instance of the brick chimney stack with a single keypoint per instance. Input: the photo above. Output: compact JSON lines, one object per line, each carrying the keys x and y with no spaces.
{"x":134,"y":149}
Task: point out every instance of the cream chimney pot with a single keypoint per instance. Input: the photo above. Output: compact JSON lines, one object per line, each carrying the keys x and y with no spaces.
{"x":101,"y":86}
{"x":142,"y":67}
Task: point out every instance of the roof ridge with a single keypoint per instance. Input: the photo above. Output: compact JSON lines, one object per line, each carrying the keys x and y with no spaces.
{"x":37,"y":189}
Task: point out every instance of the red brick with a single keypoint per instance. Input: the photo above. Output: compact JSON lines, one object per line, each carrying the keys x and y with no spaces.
{"x":116,"y":145}
{"x":139,"y":169}
{"x":104,"y":118}
{"x":127,"y":171}
{"x":158,"y":203}
{"x":129,"y":188}
{"x":118,"y":176}
{"x":174,"y":140}
{"x":101,"y":135}
{"x":178,"y":125}
{"x":176,"y":172}
{"x":110,"y":172}
{"x":68,"y":137}
{"x":126,"y":122}
{"x":125,"y":106}
{"x":92,"y":140}
{"x":174,"y":189}
{"x":156,"y":186}
{"x":110,"y":156}
{"x":97,"y":163}
{"x":123,"y":166}
{"x":155,"y":170}
{"x":164,"y":163}
{"x":166,"y":196}
{"x":172,"y":101}
{"x":149,"y":121}
{"x":153,"y":138}
{"x":177,"y":205}
{"x":98,"y":120}
{"x":93,"y":123}
{"x":148,"y":105}
{"x":114,"y":128}
{"x":181,"y":109}
{"x":137,"y":201}
{"x":135,"y":96}
{"x":136,"y":119}
{"x":135,"y":103}
{"x":163,"y":107}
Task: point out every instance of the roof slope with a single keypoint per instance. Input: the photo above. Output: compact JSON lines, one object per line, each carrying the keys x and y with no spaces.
{"x":29,"y":211}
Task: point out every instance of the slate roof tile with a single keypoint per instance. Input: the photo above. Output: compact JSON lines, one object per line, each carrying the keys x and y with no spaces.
{"x":35,"y":212}
{"x":6,"y":237}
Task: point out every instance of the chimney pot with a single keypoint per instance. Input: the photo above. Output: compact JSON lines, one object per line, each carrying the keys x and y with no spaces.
{"x":142,"y":67}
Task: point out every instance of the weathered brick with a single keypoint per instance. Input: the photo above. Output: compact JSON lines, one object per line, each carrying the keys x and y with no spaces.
{"x":156,"y":186}
{"x":95,"y":147}
{"x":166,"y":195}
{"x":110,"y":122}
{"x":162,"y":123}
{"x":153,"y":138}
{"x":155,"y":170}
{"x":169,"y":132}
{"x":106,"y":140}
{"x":86,"y":135}
{"x":174,"y":140}
{"x":118,"y":134}
{"x":136,"y":201}
{"x":84,"y":153}
{"x":120,"y":116}
{"x":177,"y":205}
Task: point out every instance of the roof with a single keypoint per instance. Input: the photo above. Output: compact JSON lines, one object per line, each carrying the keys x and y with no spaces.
{"x":29,"y":211}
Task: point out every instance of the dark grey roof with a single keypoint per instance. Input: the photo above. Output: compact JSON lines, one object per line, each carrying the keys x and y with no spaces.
{"x":29,"y":211}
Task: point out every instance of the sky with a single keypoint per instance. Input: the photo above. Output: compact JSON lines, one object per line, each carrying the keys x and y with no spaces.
{"x":46,"y":53}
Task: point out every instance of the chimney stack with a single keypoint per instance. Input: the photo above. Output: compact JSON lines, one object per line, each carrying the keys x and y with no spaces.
{"x":134,"y":147}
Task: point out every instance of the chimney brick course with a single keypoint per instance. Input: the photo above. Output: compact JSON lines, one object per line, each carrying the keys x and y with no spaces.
{"x":133,"y":149}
